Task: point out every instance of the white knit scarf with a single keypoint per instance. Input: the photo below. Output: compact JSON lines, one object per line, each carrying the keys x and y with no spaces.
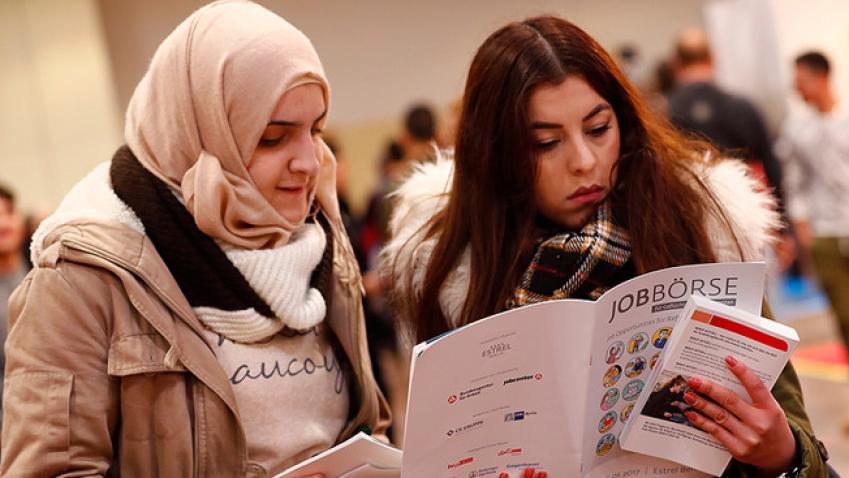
{"x":281,"y":276}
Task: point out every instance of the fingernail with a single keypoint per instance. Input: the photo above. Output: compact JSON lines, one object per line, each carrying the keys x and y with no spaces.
{"x":503,"y":475}
{"x":691,"y":416}
{"x":690,"y":397}
{"x":542,"y":474}
{"x":529,"y":473}
{"x":731,"y":361}
{"x":695,"y":382}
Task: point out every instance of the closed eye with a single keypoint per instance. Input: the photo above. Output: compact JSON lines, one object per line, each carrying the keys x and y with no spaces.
{"x":273,"y":141}
{"x":546,"y":144}
{"x":599,"y":130}
{"x":274,"y":134}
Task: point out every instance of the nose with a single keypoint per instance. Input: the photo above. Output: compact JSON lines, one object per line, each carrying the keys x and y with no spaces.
{"x":306,"y":160}
{"x":581,"y":159}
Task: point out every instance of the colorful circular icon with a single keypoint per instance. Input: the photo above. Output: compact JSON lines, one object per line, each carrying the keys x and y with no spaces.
{"x":653,"y":360}
{"x":660,"y":337}
{"x":615,"y":351}
{"x":635,"y":367}
{"x":610,"y":397}
{"x":612,"y":376}
{"x":632,"y":390}
{"x":638,"y":342}
{"x":607,"y":422}
{"x":605,"y":444}
{"x":626,"y":412}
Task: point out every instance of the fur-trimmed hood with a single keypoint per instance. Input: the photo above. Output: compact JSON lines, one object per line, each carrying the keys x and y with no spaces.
{"x":751,"y":211}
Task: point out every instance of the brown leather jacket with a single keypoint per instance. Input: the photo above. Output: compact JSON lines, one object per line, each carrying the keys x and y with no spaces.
{"x":108,"y":372}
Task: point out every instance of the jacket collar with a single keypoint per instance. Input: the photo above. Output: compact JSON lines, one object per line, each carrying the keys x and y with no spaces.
{"x":92,"y":226}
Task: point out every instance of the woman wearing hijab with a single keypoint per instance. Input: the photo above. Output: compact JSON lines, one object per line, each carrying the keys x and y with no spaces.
{"x":195,"y":306}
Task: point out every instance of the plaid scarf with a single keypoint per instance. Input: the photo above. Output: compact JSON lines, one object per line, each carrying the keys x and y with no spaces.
{"x":580,"y":265}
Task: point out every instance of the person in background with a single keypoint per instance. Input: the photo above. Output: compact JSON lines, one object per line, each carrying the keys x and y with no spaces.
{"x":12,"y":266}
{"x":814,"y":148}
{"x":563,"y":184}
{"x":730,"y":122}
{"x":195,"y":307}
{"x":351,"y":222}
{"x":416,"y":143}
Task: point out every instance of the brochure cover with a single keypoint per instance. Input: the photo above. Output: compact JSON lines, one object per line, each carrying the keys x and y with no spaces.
{"x":551,"y":385}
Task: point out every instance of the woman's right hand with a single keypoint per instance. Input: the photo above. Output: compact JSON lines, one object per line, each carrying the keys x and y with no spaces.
{"x":529,"y":473}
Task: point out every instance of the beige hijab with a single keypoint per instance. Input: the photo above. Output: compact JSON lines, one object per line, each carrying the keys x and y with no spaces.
{"x":197,"y":115}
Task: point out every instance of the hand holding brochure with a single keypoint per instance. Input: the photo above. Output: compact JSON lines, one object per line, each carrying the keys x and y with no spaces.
{"x":704,"y":335}
{"x":361,"y":456}
{"x":549,"y":386}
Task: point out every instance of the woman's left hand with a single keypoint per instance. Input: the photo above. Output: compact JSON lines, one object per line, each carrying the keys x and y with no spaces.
{"x":757,"y":434}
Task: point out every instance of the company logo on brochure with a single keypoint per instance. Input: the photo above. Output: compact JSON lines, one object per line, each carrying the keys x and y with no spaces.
{"x":517,"y":416}
{"x":536,"y":376}
{"x":464,"y":461}
{"x":483,"y":472}
{"x":465,"y":428}
{"x":495,"y":350}
{"x":510,"y":452}
{"x":472,"y":392}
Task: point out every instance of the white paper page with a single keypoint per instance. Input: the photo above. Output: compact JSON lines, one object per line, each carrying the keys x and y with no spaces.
{"x":369,"y":471}
{"x":634,"y":323}
{"x":501,"y":395}
{"x":348,"y":456}
{"x":707,"y":333}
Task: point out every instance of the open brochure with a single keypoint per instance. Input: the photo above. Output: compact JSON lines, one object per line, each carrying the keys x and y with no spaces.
{"x":361,"y":456}
{"x":551,"y":385}
{"x":706,"y":332}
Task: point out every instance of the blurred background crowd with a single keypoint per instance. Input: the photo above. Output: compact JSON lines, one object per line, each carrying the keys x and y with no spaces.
{"x":762,"y":79}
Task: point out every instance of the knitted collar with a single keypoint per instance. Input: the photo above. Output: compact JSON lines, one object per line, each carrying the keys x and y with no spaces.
{"x":245,"y":295}
{"x":581,"y":265}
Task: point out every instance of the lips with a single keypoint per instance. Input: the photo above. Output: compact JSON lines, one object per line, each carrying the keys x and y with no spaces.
{"x":587,"y":194}
{"x":292,"y":189}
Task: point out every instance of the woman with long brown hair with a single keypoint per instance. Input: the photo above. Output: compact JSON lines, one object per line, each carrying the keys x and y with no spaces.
{"x":563,"y":184}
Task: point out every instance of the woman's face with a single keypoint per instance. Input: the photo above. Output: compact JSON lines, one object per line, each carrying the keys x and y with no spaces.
{"x":576,"y":140}
{"x":285,"y":164}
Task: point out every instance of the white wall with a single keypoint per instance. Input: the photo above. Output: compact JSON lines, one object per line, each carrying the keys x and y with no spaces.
{"x":58,"y":113}
{"x":748,"y":60}
{"x":381,"y":55}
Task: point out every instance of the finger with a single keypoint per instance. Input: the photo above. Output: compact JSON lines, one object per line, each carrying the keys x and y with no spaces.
{"x":734,"y":445}
{"x":726,"y":398}
{"x":756,"y":389}
{"x":718,"y":415}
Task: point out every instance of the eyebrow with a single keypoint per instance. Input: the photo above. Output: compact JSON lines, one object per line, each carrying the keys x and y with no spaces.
{"x":296,"y":123}
{"x":544,"y":125}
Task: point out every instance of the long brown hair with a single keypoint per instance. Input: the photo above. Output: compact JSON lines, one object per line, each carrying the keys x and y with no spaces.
{"x":657,"y":195}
